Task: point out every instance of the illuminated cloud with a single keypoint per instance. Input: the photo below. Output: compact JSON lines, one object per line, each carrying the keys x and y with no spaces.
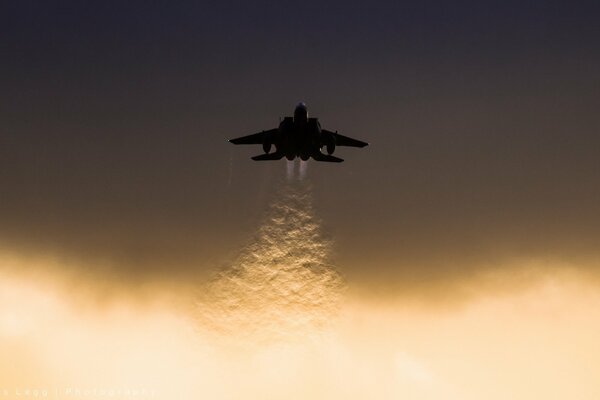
{"x":539,"y":342}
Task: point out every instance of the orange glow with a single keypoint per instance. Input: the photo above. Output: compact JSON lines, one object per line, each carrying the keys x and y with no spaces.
{"x":535,"y":342}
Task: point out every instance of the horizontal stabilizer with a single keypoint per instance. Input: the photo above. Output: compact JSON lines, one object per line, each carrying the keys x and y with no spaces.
{"x":326,"y":158}
{"x":268,"y":157}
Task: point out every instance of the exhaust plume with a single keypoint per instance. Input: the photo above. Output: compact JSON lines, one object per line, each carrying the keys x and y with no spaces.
{"x":282,"y":284}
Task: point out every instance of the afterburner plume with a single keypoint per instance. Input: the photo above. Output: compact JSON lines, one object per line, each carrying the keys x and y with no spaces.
{"x":303,"y":169}
{"x":282,"y":284}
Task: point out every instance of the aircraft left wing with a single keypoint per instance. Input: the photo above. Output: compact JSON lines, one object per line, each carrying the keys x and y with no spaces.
{"x":256,"y":138}
{"x":341,"y":140}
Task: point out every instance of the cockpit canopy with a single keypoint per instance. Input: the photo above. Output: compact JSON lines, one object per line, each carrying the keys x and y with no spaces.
{"x":301,"y":113}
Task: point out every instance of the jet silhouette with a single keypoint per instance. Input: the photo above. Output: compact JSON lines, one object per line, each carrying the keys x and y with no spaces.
{"x":299,"y":136}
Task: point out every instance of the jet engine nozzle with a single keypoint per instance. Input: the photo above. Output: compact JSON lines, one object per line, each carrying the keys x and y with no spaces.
{"x":329,"y":141}
{"x":267,"y":147}
{"x":330,"y":147}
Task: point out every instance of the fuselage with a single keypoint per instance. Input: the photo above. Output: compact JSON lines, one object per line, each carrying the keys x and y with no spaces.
{"x":299,"y":136}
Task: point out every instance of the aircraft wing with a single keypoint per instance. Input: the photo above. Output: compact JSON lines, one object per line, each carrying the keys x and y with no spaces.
{"x":256,"y":138}
{"x":341,"y":140}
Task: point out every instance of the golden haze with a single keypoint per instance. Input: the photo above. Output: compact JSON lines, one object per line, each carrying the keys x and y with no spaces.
{"x":536,"y":341}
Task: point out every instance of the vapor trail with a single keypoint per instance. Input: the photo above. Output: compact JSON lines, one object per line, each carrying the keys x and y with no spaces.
{"x":290,"y":170}
{"x":303,"y":169}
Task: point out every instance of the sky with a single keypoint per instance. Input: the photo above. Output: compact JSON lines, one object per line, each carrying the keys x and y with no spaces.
{"x":481,"y":118}
{"x":479,"y":190}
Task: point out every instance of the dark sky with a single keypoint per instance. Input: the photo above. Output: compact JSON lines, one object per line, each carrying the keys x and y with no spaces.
{"x":483,"y":119}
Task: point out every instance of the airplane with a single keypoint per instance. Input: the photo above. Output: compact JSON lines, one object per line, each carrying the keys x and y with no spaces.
{"x":299,"y":136}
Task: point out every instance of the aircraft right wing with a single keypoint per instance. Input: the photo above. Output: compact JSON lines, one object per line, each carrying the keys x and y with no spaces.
{"x":341,"y":140}
{"x":256,"y":138}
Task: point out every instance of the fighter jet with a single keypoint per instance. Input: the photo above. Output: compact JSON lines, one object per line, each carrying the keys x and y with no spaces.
{"x":299,"y":136}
